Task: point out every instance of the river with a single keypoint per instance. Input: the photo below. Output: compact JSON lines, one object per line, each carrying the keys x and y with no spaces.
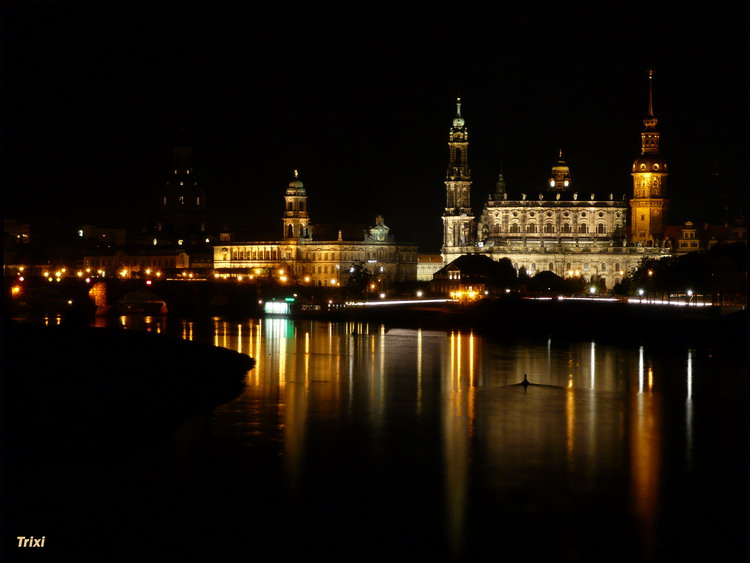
{"x":355,"y":441}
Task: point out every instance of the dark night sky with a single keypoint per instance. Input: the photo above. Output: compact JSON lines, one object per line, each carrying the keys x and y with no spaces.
{"x":359,"y":97}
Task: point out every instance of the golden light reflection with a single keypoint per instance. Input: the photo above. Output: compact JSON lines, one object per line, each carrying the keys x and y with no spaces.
{"x":645,"y":448}
{"x":456,"y":432}
{"x":570,"y":423}
{"x":307,"y":359}
{"x":640,"y":370}
{"x":471,"y":406}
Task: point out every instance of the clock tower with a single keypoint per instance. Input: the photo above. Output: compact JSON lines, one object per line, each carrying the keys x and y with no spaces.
{"x":650,"y":172}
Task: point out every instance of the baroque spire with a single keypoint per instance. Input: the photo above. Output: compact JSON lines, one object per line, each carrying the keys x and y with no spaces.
{"x":650,"y":121}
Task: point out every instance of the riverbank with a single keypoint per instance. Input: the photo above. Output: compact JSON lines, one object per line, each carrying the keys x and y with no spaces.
{"x":577,"y":319}
{"x":86,"y":416}
{"x":93,"y":381}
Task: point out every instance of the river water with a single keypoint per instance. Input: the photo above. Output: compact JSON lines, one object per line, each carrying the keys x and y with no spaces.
{"x":351,"y":440}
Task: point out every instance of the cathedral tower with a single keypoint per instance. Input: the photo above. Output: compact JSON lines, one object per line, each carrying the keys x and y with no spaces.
{"x":649,"y":202}
{"x":295,"y":212}
{"x":458,"y":220}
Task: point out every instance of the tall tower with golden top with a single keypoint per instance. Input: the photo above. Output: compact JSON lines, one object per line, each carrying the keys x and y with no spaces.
{"x":649,"y":204}
{"x":295,"y":214}
{"x":458,"y":219}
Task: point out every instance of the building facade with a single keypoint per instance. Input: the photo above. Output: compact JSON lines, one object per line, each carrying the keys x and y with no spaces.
{"x":319,"y":255}
{"x":692,"y":237}
{"x":557,"y":227}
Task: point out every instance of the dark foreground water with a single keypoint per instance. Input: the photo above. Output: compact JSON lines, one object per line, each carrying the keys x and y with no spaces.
{"x":352,"y":441}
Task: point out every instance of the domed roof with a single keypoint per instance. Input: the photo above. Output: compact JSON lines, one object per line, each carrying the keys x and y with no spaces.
{"x":296,"y":187}
{"x":649,"y":163}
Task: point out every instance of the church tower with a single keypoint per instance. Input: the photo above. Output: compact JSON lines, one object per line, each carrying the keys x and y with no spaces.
{"x":182,"y":214}
{"x":458,"y":220}
{"x":649,"y":202}
{"x":295,"y":212}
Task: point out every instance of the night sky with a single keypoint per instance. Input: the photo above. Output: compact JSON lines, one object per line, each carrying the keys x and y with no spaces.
{"x":359,"y":97}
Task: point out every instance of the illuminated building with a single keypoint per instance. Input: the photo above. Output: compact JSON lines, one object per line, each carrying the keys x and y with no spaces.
{"x":649,"y":183}
{"x":427,"y":265}
{"x":692,"y":237}
{"x":135,"y":262}
{"x":472,"y":277}
{"x":557,"y":227}
{"x":319,"y":255}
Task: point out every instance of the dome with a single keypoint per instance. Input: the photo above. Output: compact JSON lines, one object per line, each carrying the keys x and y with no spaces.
{"x":650,"y":163}
{"x":296,"y":187}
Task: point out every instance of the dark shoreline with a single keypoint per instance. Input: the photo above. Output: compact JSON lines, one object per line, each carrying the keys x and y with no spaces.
{"x":613,"y":322}
{"x":96,"y":381}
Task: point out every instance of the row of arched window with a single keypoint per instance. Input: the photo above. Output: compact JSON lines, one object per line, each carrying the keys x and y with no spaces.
{"x":531,"y":228}
{"x":568,"y":266}
{"x":380,"y":255}
{"x":262,"y":254}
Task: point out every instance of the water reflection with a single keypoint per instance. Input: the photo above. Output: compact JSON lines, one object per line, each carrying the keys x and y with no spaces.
{"x":436,"y":419}
{"x":566,"y":433}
